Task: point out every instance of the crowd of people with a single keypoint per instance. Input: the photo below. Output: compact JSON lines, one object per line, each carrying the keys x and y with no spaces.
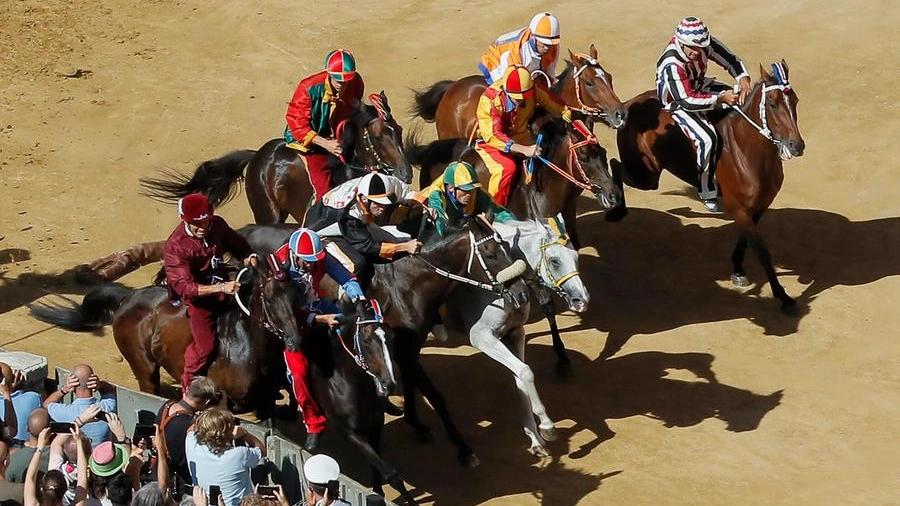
{"x":76,"y":452}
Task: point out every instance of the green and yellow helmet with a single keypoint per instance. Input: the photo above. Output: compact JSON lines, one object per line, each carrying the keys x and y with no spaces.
{"x":461,"y":175}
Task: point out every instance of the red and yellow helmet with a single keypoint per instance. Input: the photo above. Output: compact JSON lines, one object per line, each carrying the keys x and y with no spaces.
{"x":517,"y":83}
{"x":340,"y":65}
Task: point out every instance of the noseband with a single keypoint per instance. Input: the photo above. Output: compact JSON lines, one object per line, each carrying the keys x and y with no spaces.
{"x":544,"y":266}
{"x":763,"y":128}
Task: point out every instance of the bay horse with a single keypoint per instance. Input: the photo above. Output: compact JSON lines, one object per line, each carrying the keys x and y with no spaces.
{"x":584,"y":85}
{"x":755,"y":138}
{"x":152,"y":333}
{"x":276,"y":182}
{"x":574,"y":162}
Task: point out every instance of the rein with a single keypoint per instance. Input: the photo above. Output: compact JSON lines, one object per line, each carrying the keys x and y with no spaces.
{"x":763,"y":127}
{"x":265,"y":323}
{"x":356,"y":353}
{"x":589,"y":138}
{"x":373,"y":154}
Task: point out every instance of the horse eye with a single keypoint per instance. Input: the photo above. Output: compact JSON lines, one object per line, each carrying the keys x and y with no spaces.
{"x":773,"y":105}
{"x":589,"y":84}
{"x":554,"y":262}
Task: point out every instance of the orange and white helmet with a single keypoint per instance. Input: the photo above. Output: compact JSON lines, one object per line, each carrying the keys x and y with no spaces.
{"x":545,"y":28}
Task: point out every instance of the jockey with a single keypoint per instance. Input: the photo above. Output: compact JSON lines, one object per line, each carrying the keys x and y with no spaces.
{"x":195,"y":274}
{"x":306,"y":262}
{"x":536,"y":48}
{"x":504,"y":111}
{"x":320,"y":103}
{"x":457,"y":194}
{"x":686,"y":92}
{"x":352,"y":214}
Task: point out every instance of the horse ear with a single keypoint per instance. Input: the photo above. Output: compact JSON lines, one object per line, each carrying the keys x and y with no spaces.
{"x":784,"y":65}
{"x":763,"y":73}
{"x":572,"y":56}
{"x":593,"y":51}
{"x":275,"y":267}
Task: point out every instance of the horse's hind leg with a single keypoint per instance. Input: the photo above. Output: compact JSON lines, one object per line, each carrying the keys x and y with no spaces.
{"x":393,"y":477}
{"x":738,"y":276}
{"x":751,"y":235}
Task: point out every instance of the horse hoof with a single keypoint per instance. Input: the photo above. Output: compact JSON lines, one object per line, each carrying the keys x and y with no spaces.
{"x":616,"y":214}
{"x":469,"y":460}
{"x":548,"y":434}
{"x":539,"y":452}
{"x":425,"y":436}
{"x":740,"y":280}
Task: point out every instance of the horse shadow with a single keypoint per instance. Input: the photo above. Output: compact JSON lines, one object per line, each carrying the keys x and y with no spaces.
{"x":653,"y":273}
{"x":484,"y":405}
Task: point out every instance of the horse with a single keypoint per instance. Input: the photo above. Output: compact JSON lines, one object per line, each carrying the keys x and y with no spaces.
{"x":276,"y":182}
{"x":152,"y":333}
{"x":351,"y":375}
{"x":583,"y":85}
{"x":756,"y":137}
{"x":574,"y":162}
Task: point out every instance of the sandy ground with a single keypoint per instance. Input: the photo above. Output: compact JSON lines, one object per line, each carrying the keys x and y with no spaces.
{"x":712,"y":395}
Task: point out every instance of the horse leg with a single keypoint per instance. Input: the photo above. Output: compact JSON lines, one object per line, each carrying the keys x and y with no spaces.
{"x":482,"y":338}
{"x":407,"y":359}
{"x":738,"y":276}
{"x":465,"y":454}
{"x":568,"y":214}
{"x":563,"y":364}
{"x":621,"y":210}
{"x":751,"y":235}
{"x":385,"y":469}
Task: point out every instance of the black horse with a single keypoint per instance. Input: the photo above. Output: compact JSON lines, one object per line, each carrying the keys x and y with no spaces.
{"x":276,"y":183}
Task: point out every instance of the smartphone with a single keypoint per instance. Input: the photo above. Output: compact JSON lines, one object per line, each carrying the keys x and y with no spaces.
{"x":61,"y":427}
{"x":145,"y":432}
{"x":214,"y":493}
{"x":187,"y":489}
{"x":102,"y":416}
{"x":266,"y":490}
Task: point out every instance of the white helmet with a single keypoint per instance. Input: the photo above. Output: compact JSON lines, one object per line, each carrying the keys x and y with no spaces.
{"x":692,"y":32}
{"x":376,"y":188}
{"x":545,"y":28}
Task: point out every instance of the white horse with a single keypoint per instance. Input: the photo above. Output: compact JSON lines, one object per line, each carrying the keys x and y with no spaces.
{"x":497,"y":329}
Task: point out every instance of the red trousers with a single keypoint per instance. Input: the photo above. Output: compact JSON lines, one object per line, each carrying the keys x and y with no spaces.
{"x":503,"y":169}
{"x":319,"y":175}
{"x":203,"y":327}
{"x":298,"y":368}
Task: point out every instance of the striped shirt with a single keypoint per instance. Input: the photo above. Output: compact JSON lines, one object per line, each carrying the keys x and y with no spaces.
{"x":680,"y":82}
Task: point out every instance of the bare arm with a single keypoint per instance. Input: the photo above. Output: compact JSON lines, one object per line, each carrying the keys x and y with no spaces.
{"x":12,"y":424}
{"x":33,"y":468}
{"x":81,"y":464}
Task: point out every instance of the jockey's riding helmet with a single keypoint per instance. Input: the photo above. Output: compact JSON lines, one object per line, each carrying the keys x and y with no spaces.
{"x":518,"y":83}
{"x":545,"y":28}
{"x":692,"y":32}
{"x":307,"y":245}
{"x":375,"y":187}
{"x":340,"y":65}
{"x":461,"y":175}
{"x":195,"y":209}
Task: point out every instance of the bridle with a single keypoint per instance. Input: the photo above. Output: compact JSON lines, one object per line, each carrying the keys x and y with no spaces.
{"x":266,"y":321}
{"x":782,"y":85}
{"x":496,"y":283}
{"x":371,"y":152}
{"x":356,"y":353}
{"x":555,"y":284}
{"x":590,"y":63}
{"x":589,"y":138}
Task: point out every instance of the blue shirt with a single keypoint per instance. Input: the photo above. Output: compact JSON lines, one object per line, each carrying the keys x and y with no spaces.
{"x":98,"y":431}
{"x":24,"y":402}
{"x":230,"y":471}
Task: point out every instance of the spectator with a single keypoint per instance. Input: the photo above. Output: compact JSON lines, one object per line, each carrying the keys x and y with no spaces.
{"x":114,"y":473}
{"x":9,"y":492}
{"x":10,"y":422}
{"x":214,"y":459}
{"x":52,"y":487}
{"x":322,"y":473}
{"x":83,"y":382}
{"x":176,"y":417}
{"x":150,"y":495}
{"x":24,"y":402}
{"x":37,"y":421}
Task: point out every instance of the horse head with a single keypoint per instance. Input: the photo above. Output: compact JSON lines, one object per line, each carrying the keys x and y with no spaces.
{"x":500,"y":268}
{"x":366,"y":338}
{"x":776,"y":104}
{"x":272,"y":302}
{"x":579,"y":157}
{"x":558,"y":267}
{"x":376,"y":140}
{"x":593,"y":87}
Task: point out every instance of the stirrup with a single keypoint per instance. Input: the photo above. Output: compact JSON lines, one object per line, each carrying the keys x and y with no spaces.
{"x":712,"y":205}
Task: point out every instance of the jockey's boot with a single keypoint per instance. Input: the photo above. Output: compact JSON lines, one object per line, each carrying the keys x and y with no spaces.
{"x":312,"y":441}
{"x":712,"y":205}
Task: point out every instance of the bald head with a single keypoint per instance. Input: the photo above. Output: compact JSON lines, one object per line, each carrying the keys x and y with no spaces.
{"x":83,"y":372}
{"x":38,"y":420}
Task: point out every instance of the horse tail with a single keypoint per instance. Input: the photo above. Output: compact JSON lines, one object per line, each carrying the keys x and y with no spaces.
{"x":426,"y":102}
{"x":94,"y":312}
{"x":214,"y":178}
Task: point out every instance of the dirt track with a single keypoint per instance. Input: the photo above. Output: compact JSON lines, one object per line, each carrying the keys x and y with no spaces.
{"x":710,"y":395}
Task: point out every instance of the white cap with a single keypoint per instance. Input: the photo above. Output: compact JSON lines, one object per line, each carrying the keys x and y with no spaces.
{"x":320,"y":469}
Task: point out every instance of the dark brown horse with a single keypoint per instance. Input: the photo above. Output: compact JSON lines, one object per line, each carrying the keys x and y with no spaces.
{"x":576,"y":162}
{"x":151,"y":334}
{"x":583,"y":85}
{"x":756,"y":137}
{"x":276,"y":181}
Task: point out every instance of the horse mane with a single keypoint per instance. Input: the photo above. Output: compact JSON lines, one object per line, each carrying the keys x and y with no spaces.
{"x":358,"y":120}
{"x":562,"y":77}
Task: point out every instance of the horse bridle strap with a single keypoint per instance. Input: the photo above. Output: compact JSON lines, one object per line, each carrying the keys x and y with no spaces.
{"x":380,"y":165}
{"x":584,"y":108}
{"x":763,"y":129}
{"x":545,"y":264}
{"x":496,"y":283}
{"x":573,"y":161}
{"x":267,"y":322}
{"x":357,"y":355}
